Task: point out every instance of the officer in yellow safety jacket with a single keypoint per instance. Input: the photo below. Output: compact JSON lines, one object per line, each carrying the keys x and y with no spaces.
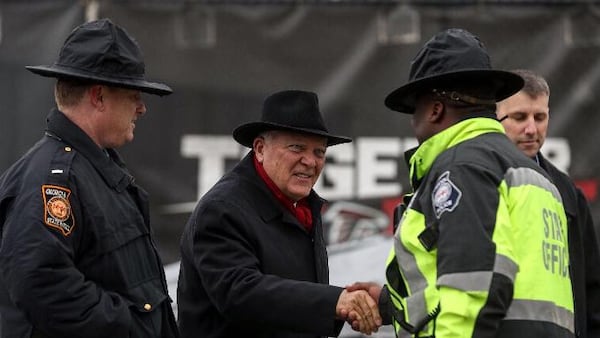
{"x":481,"y":246}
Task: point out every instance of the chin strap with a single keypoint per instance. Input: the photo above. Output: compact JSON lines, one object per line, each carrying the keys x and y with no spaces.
{"x":503,"y":118}
{"x":456,"y":96}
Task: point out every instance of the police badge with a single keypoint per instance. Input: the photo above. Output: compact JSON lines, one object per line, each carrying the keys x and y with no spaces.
{"x":445,"y":195}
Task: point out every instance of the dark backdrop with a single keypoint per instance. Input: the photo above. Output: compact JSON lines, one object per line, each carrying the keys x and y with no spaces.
{"x":223,"y":59}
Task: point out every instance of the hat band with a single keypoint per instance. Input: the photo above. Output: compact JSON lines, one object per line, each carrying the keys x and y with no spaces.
{"x":456,"y":96}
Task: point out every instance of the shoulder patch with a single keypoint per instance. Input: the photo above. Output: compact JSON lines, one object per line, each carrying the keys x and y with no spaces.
{"x":57,"y":208}
{"x":445,"y":195}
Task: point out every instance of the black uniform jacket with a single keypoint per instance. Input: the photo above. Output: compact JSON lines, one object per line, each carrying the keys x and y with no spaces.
{"x":583,"y":251}
{"x":76,"y":254}
{"x":249,"y":269}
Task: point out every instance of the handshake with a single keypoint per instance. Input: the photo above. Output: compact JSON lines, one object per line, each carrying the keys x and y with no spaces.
{"x":358,"y":305}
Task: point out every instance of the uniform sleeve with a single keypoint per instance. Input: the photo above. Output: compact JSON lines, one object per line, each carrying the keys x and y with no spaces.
{"x":39,"y":269}
{"x":474,"y":240}
{"x":225,"y":254}
{"x":592,"y":262}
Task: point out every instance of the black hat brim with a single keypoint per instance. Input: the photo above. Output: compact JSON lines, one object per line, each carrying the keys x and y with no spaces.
{"x":504,"y":84}
{"x":58,"y":71}
{"x":246,"y":133}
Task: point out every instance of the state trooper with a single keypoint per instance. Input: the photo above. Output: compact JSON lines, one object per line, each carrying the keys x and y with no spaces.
{"x":481,"y":245}
{"x":77,"y":258}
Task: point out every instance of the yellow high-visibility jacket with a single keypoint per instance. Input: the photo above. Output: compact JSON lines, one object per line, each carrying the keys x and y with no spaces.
{"x":481,"y":248}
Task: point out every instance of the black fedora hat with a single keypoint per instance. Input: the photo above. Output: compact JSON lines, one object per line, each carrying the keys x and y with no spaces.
{"x":291,"y":110}
{"x":102,"y":52}
{"x":452,"y":59}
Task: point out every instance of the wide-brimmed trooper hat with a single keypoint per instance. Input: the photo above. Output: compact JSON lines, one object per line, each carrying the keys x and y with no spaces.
{"x":291,"y":110}
{"x":102,"y":52}
{"x":453,"y":58}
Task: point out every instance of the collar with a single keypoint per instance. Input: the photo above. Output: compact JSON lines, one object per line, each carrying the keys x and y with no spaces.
{"x":245,"y":169}
{"x":422,"y":157}
{"x":300,"y":209}
{"x":111,"y":168}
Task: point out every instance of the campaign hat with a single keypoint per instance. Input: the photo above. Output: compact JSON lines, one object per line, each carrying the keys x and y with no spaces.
{"x":454,"y":58}
{"x":102,"y":52}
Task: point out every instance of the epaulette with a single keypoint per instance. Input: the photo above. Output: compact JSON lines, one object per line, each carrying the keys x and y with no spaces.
{"x":58,"y":171}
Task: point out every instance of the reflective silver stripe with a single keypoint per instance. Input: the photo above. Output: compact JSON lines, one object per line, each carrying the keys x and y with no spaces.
{"x":416,"y":308}
{"x":467,"y":281}
{"x":505,"y":266}
{"x":415,"y":303}
{"x":409,"y":267}
{"x":540,"y":311}
{"x":479,"y":280}
{"x":402,"y":333}
{"x":522,"y":176}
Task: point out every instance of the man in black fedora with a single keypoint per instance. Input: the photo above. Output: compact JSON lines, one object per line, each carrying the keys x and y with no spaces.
{"x":253,"y":256}
{"x":77,"y":258}
{"x":481,"y":245}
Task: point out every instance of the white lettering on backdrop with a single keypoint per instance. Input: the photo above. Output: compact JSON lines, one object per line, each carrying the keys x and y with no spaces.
{"x":369,"y":167}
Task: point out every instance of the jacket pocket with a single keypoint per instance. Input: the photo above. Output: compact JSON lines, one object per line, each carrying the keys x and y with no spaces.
{"x":147,"y":309}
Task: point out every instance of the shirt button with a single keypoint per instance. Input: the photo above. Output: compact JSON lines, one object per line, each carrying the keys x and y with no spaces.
{"x":147,"y":307}
{"x":67,"y":148}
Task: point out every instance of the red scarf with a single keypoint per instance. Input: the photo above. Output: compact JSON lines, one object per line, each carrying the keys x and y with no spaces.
{"x":301,"y":210}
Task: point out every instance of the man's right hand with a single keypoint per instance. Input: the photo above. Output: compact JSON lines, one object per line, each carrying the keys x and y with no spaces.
{"x":360,"y":310}
{"x":372,"y":288}
{"x":374,"y":291}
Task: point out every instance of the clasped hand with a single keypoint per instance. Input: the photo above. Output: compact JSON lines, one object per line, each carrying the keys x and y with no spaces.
{"x":360,"y":310}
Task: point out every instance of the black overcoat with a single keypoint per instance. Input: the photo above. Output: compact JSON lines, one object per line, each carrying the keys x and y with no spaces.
{"x":249,"y":269}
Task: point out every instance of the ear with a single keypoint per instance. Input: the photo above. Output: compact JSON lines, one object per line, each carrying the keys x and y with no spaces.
{"x":96,"y":96}
{"x":258,"y":145}
{"x":437,"y":112}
